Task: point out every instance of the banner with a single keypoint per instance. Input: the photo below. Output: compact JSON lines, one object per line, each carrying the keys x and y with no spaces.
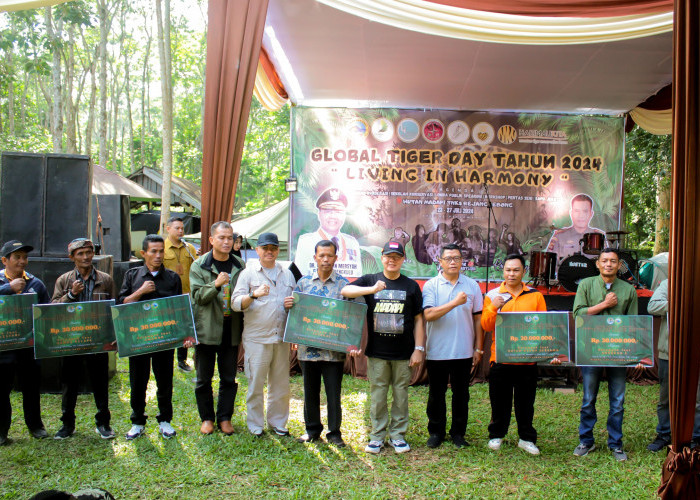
{"x":366,"y":176}
{"x":529,"y":337}
{"x":153,"y":325}
{"x":614,"y":340}
{"x":73,"y":328}
{"x":16,"y":321}
{"x":332,"y":324}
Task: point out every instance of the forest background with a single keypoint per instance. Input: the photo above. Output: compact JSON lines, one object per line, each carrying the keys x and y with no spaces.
{"x":123,"y":81}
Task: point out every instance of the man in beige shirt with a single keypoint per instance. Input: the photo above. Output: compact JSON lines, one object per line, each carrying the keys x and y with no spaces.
{"x":179,"y":256}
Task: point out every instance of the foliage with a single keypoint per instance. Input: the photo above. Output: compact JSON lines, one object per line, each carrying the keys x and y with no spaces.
{"x":647,"y":170}
{"x":193,"y":466}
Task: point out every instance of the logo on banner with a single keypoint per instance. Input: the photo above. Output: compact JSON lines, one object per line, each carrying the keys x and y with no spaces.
{"x":408,"y":130}
{"x":507,"y":134}
{"x":483,"y":133}
{"x":458,"y":132}
{"x":433,"y":131}
{"x":382,"y":129}
{"x":358,"y":127}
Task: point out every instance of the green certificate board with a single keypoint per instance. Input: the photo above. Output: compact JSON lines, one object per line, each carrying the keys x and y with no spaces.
{"x":529,"y":337}
{"x":153,"y":325}
{"x":614,"y":340}
{"x":73,"y":328}
{"x":332,"y":324}
{"x":16,"y":327}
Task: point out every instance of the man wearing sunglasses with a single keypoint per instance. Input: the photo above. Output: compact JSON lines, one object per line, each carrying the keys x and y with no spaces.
{"x":452,"y":305}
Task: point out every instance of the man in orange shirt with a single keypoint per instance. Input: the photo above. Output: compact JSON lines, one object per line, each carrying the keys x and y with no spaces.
{"x":508,"y":381}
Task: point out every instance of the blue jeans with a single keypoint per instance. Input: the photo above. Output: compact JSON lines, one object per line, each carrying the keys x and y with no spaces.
{"x":616,"y":392}
{"x":663,"y":429}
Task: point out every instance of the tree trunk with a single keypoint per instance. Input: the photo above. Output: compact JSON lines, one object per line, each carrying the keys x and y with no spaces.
{"x":10,"y":93}
{"x":71,"y":109}
{"x":54,"y":36}
{"x":663,"y":214}
{"x":145,"y":79}
{"x":90,"y":127}
{"x":105,"y":22}
{"x":166,"y":85}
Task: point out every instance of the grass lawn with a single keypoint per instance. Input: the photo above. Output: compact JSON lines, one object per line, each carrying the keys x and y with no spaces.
{"x":217,"y":466}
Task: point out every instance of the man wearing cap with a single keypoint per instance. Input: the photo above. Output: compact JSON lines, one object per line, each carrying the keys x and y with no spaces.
{"x":179,"y":256}
{"x":82,"y":284}
{"x":331,"y":205}
{"x":15,"y":280}
{"x":260,"y":293}
{"x":395,"y":343}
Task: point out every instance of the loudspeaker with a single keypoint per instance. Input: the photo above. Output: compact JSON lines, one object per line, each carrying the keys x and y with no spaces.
{"x":22,"y":182}
{"x":67,"y":202}
{"x":116,"y":224}
{"x":48,"y":269}
{"x":120,"y":269}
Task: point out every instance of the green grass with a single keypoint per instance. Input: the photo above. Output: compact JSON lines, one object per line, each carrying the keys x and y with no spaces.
{"x":217,"y":466}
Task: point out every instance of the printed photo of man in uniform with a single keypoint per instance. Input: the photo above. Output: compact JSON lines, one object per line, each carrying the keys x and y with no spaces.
{"x":566,"y":242}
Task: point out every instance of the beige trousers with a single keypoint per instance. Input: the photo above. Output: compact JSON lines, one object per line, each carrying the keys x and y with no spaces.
{"x":267,"y":363}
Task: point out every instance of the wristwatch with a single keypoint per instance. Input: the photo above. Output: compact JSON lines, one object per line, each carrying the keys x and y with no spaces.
{"x":252,"y":296}
{"x":479,"y":351}
{"x":420,"y":348}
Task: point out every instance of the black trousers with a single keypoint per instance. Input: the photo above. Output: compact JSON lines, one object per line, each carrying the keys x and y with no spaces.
{"x":457,"y":372}
{"x":508,"y":383}
{"x":71,"y":373}
{"x":181,"y":354}
{"x":226,"y":357}
{"x":139,"y":373}
{"x":22,"y":363}
{"x":332,"y":374}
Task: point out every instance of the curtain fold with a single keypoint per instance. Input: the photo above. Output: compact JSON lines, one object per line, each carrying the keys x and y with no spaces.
{"x":269,"y":90}
{"x":657,"y":122}
{"x":234,"y":40}
{"x":680,"y":471}
{"x":570,"y":8}
{"x":465,"y":24}
{"x":12,"y":5}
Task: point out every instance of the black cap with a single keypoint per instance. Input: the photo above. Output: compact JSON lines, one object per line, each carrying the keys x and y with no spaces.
{"x":332,"y":195}
{"x":393,"y":247}
{"x":14,"y":246}
{"x":268,"y":239}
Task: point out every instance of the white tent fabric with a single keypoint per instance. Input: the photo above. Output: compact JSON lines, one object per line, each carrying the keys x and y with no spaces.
{"x":12,"y":5}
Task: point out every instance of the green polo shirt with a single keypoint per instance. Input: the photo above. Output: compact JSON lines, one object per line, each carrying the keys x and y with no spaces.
{"x":592,"y":291}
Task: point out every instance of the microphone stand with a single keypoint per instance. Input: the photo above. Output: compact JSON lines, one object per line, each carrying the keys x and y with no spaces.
{"x":491,"y":213}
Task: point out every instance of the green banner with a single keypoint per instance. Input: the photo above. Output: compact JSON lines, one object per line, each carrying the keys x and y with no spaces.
{"x":73,"y":328}
{"x":16,"y":321}
{"x":529,"y":337}
{"x":332,"y":324}
{"x":153,"y":325}
{"x":614,"y":340}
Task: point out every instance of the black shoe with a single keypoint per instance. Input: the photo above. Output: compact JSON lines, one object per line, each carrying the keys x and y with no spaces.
{"x":63,"y":433}
{"x":336,"y":440}
{"x":39,"y":433}
{"x":434,"y":440}
{"x":182,"y":365}
{"x":105,"y":432}
{"x":4,"y":440}
{"x":459,"y":441}
{"x":308,"y":438}
{"x":659,"y":444}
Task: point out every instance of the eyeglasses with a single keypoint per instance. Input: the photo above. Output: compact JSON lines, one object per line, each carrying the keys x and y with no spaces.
{"x":393,"y":256}
{"x":451,"y":259}
{"x":332,"y":211}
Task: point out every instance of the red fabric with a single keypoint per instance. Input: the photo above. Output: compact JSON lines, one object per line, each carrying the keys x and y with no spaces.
{"x":564,"y":8}
{"x":234,"y":38}
{"x":272,"y":75}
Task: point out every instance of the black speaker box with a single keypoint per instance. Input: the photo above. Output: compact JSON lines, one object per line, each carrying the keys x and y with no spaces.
{"x":116,"y":224}
{"x":22,"y":182}
{"x":67,"y":202}
{"x":120,"y":269}
{"x":48,"y":269}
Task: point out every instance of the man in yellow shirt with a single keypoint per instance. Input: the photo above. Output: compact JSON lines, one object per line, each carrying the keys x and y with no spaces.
{"x":179,"y":256}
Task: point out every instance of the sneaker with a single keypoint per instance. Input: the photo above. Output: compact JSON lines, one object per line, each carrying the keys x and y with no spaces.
{"x":619,"y":454}
{"x":459,"y":441}
{"x":659,"y":444}
{"x":39,"y":433}
{"x":280,"y":432}
{"x":336,"y":440}
{"x":182,"y":365}
{"x":135,"y":431}
{"x":374,"y":447}
{"x":583,"y":449}
{"x":400,"y":446}
{"x":308,"y":438}
{"x":105,"y":432}
{"x":258,"y":433}
{"x":166,"y":430}
{"x":434,"y":440}
{"x":529,"y":447}
{"x":64,"y":432}
{"x":495,"y":444}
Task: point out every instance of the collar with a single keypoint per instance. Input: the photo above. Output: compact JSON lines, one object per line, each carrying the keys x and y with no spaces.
{"x":332,"y":278}
{"x":143,"y":271}
{"x":25,"y":275}
{"x":170,"y":244}
{"x":602,"y":281}
{"x":208,"y":262}
{"x":503,"y":289}
{"x":258,"y":266}
{"x":443,"y":280}
{"x":93,"y":274}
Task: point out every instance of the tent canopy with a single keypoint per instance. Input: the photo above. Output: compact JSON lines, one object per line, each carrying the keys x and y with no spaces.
{"x":337,"y":58}
{"x":107,"y":182}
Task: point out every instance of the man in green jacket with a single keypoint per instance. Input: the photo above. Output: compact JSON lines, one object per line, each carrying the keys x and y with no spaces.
{"x":212,"y":276}
{"x":606,"y":295}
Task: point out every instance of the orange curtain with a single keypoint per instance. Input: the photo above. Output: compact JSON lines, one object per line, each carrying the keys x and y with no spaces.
{"x":560,"y":8}
{"x":234,"y":39}
{"x":681,"y":472}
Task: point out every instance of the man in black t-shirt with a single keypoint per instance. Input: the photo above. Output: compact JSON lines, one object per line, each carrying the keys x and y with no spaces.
{"x":396,"y":342}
